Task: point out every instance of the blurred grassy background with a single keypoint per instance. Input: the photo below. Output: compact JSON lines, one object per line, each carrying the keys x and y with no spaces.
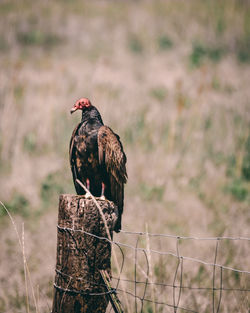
{"x":171,"y":78}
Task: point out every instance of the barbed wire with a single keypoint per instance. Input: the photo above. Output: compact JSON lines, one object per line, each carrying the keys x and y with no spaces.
{"x":177,"y":288}
{"x":183,"y":237}
{"x":180,"y":286}
{"x":155,"y":251}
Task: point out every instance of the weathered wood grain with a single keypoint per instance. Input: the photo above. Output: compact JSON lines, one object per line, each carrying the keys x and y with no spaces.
{"x":81,"y":256}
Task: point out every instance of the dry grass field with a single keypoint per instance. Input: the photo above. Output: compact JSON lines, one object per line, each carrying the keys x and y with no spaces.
{"x":172,"y":79}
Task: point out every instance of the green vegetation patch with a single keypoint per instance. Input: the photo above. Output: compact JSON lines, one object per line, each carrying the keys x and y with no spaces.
{"x":164,"y":42}
{"x":238,"y":189}
{"x":19,"y":204}
{"x":243,"y":53}
{"x":30,"y":142}
{"x":201,"y":52}
{"x":159,"y":93}
{"x":135,"y":44}
{"x":38,"y":38}
{"x":152,"y":192}
{"x":148,"y":308}
{"x":51,"y":187}
{"x":239,"y":174}
{"x":246,"y":161}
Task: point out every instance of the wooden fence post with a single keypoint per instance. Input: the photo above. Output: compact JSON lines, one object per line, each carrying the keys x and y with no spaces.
{"x":79,"y":287}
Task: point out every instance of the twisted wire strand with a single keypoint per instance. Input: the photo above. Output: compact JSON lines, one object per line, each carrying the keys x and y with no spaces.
{"x":178,"y":272}
{"x":183,"y":287}
{"x":158,"y":252}
{"x":184,"y":237}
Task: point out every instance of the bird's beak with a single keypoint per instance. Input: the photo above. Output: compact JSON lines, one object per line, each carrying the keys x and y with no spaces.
{"x":75,"y":108}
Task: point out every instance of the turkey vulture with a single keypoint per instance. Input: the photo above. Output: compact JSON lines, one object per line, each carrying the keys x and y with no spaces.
{"x":97,"y":158}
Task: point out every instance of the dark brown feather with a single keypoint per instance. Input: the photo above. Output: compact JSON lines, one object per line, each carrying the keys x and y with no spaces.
{"x":97,"y":159}
{"x":113,"y":159}
{"x":74,"y":159}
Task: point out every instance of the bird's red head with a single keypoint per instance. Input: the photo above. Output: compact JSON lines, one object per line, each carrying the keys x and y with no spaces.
{"x":81,"y":104}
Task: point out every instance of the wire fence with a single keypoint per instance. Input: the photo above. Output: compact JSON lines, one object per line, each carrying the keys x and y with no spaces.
{"x":169,"y":280}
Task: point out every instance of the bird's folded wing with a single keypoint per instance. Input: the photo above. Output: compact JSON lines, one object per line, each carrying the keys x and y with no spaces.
{"x":111,"y":155}
{"x":72,"y":144}
{"x":72,"y":156}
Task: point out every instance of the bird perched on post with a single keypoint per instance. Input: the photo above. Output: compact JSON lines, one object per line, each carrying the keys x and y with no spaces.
{"x":97,"y":158}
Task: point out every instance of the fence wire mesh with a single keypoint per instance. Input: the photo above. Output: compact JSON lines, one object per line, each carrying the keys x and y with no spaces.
{"x":180,"y":274}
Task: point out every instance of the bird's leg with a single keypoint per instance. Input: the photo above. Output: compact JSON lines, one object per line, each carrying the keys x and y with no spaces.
{"x":102,"y":194}
{"x":88,"y":195}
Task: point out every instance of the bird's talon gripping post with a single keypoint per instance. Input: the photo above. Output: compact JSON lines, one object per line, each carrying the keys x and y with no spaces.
{"x":88,"y":184}
{"x":87,"y":195}
{"x":102,"y":194}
